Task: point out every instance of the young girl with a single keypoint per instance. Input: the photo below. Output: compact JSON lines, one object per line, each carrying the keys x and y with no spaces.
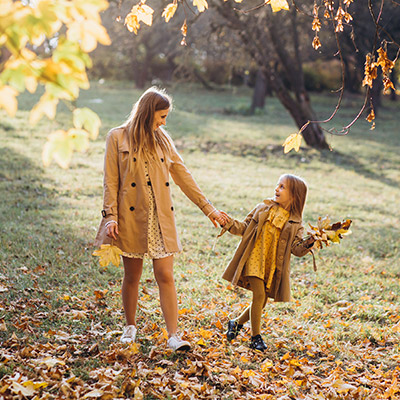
{"x":138,"y":214}
{"x":261,"y":263}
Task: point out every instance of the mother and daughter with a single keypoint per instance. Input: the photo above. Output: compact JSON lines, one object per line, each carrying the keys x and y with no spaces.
{"x":138,"y":217}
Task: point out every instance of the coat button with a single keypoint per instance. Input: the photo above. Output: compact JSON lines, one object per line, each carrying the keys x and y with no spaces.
{"x":131,"y":208}
{"x":134,"y":159}
{"x":172,"y":208}
{"x":166,"y":183}
{"x":148,"y":183}
{"x":162,"y":160}
{"x":133,"y":184}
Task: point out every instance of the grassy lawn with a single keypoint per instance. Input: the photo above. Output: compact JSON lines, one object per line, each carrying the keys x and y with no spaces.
{"x":61,"y":313}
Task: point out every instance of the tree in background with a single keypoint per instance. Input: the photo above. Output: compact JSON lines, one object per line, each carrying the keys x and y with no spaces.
{"x":150,"y":55}
{"x":45,"y":42}
{"x":272,"y":41}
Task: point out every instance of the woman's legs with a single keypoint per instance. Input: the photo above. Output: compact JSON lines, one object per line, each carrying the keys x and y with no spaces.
{"x":164,"y":274}
{"x":133,"y":268}
{"x":254,"y":311}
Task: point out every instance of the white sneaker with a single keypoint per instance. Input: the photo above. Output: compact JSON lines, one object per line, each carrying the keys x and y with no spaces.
{"x":129,"y":334}
{"x":177,"y":344}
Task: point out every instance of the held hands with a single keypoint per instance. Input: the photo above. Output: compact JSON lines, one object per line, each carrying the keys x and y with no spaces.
{"x":219,"y":217}
{"x":112,"y":230}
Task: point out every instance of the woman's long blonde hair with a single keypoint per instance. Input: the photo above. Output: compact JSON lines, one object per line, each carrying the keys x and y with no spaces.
{"x":139,"y":125}
{"x":298,"y":191}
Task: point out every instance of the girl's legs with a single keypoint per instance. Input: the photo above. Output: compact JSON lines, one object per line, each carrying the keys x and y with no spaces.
{"x":133,"y":268}
{"x":254,"y":311}
{"x":164,"y":274}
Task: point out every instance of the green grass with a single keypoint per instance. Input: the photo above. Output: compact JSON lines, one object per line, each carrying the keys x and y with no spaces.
{"x":56,"y":297}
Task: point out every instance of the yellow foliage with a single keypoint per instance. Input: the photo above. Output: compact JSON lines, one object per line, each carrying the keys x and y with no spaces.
{"x":62,"y":72}
{"x":8,"y":99}
{"x":88,"y":33}
{"x":278,"y":5}
{"x":87,"y":119}
{"x":108,"y":254}
{"x":200,"y":4}
{"x":139,"y":13}
{"x":132,"y":23}
{"x":47,"y":105}
{"x":58,"y":147}
{"x":292,"y":142}
{"x":169,"y":11}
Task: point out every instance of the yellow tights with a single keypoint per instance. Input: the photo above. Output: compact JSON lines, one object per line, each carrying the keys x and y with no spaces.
{"x":254,"y":311}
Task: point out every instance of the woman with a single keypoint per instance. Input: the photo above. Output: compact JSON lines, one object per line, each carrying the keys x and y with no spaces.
{"x":138,"y":215}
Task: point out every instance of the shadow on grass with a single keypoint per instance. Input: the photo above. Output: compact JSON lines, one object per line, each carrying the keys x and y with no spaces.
{"x":246,"y":149}
{"x":350,"y":162}
{"x":37,"y":234}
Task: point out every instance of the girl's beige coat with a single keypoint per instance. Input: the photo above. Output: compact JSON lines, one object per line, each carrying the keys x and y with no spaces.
{"x":125,"y":197}
{"x":290,"y":241}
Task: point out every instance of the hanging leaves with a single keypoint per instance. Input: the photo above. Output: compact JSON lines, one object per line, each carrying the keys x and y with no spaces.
{"x":292,"y":142}
{"x":371,"y":69}
{"x":108,"y":254}
{"x":169,"y":11}
{"x":61,"y":70}
{"x":325,"y":232}
{"x":139,"y":13}
{"x":278,"y":5}
{"x":8,"y":99}
{"x":87,"y":119}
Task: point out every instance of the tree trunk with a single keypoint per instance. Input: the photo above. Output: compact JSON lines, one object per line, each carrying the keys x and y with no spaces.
{"x":260,"y":89}
{"x":265,"y":45}
{"x":301,"y":112}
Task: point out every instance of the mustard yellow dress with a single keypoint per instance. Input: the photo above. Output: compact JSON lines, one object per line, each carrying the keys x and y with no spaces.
{"x":262,"y":260}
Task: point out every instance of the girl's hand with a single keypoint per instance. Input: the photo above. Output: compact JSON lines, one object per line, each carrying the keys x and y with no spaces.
{"x":112,"y":230}
{"x":309,"y":242}
{"x":225,"y":216}
{"x":218,"y":217}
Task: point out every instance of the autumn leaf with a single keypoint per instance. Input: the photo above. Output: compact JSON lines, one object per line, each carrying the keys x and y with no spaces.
{"x":8,"y":100}
{"x":58,"y":147}
{"x":383,"y":61}
{"x":371,"y":115}
{"x":108,"y":254}
{"x":87,"y":119}
{"x":88,"y":33}
{"x":278,"y":5}
{"x":132,"y":23}
{"x":139,"y":13}
{"x":292,"y":142}
{"x":169,"y":11}
{"x":200,"y":4}
{"x":47,"y":105}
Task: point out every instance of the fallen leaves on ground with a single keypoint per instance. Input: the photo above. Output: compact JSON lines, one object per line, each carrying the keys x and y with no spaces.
{"x":83,"y":359}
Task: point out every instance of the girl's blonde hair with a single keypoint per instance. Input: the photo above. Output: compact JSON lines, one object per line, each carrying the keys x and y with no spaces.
{"x":139,"y":125}
{"x":298,"y":191}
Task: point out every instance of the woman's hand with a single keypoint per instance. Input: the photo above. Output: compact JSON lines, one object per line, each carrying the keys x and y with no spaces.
{"x":219,"y":217}
{"x":112,"y":230}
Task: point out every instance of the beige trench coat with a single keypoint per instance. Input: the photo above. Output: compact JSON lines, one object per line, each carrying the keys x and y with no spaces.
{"x":290,"y":241}
{"x":125,"y":197}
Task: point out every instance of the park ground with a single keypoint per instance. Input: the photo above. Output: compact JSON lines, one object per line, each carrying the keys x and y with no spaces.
{"x":60,"y":312}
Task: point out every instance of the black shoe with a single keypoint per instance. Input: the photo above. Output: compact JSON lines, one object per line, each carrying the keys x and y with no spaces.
{"x":257,"y":343}
{"x":233,"y":330}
